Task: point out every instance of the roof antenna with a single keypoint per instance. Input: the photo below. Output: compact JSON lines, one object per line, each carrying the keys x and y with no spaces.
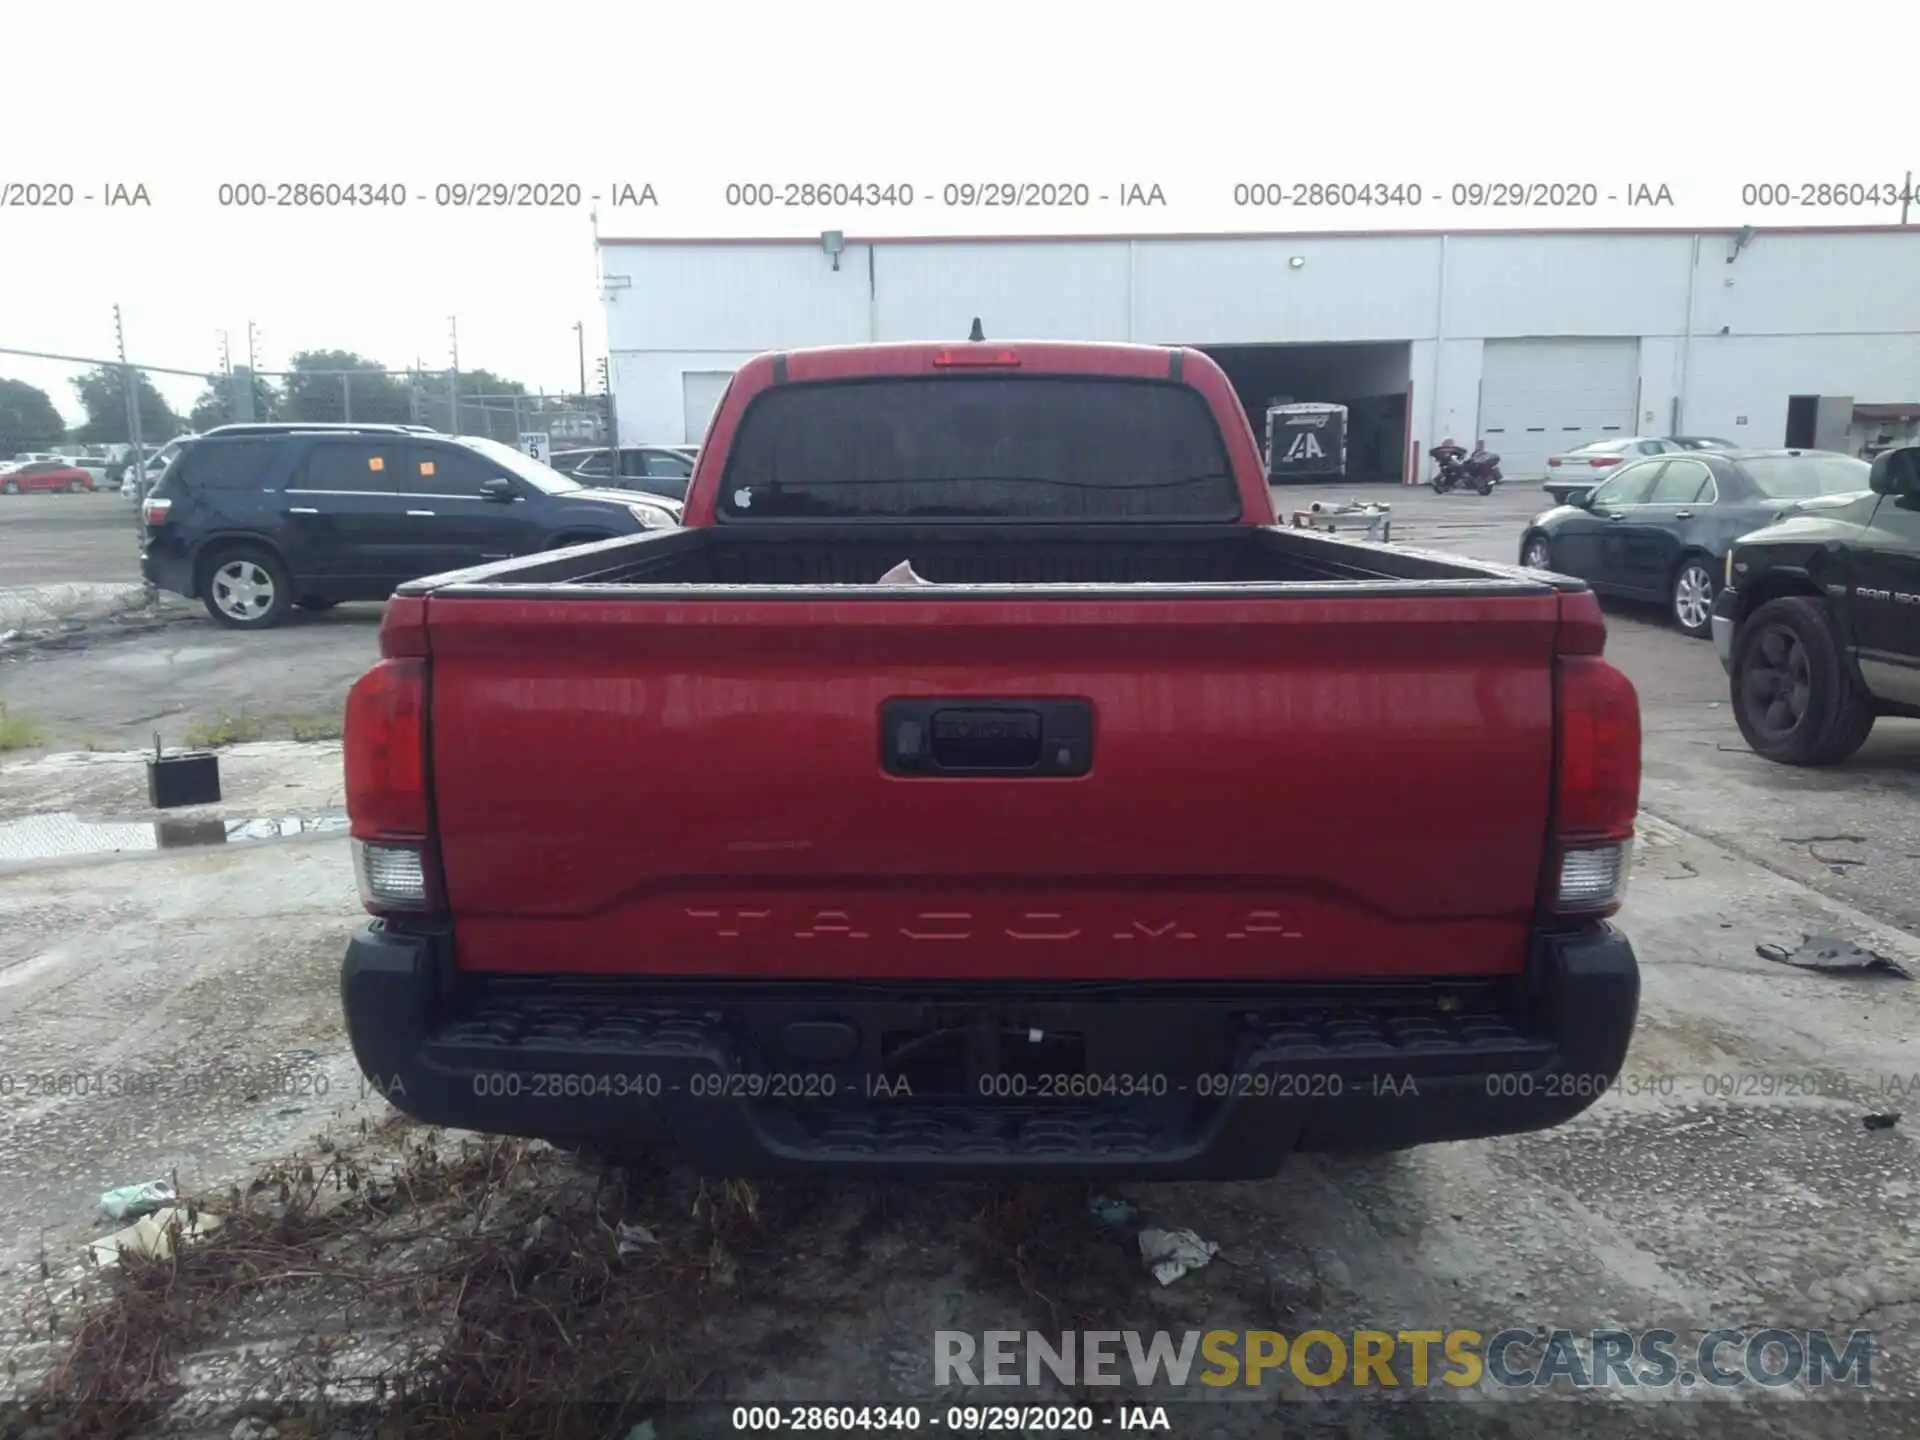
{"x":978,"y":333}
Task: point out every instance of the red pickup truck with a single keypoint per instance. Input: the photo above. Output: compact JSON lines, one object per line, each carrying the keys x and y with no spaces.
{"x":1146,"y":837}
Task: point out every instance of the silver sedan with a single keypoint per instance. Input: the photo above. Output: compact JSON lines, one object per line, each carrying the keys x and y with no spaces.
{"x":1585,"y":466}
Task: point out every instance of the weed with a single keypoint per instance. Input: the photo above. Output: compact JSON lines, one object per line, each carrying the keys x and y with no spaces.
{"x":316,"y":727}
{"x":227,"y":730}
{"x":17,"y":732}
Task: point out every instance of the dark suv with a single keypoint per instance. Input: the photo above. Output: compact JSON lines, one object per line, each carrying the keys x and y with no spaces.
{"x":256,"y":519}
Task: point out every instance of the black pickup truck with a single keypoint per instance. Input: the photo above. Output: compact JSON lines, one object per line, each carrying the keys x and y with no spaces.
{"x":1818,"y":623}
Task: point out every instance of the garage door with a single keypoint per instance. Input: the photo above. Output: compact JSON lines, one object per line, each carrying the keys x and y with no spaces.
{"x":1539,"y":397}
{"x":702,"y":390}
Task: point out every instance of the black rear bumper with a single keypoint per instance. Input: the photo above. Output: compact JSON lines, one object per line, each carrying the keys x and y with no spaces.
{"x":1129,"y":1079}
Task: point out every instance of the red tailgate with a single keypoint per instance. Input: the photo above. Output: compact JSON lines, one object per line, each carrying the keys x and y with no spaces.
{"x":1280,"y":787}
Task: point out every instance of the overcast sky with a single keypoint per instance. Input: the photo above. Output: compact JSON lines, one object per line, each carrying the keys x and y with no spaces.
{"x":184,"y":97}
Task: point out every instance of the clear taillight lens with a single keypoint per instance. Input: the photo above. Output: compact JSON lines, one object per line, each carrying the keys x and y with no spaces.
{"x":154,"y":512}
{"x":391,"y":877}
{"x":1593,"y":879}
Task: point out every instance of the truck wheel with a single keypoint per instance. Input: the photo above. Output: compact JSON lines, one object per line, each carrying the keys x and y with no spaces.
{"x":1691,"y":596}
{"x":1796,"y":694}
{"x":246,"y":588}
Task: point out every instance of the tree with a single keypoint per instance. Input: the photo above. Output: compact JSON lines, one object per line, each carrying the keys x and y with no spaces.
{"x":104,"y":398}
{"x":317,"y":396}
{"x":28,"y":420}
{"x":216,"y":403}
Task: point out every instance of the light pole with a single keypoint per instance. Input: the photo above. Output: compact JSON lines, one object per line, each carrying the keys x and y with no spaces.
{"x":580,"y":335}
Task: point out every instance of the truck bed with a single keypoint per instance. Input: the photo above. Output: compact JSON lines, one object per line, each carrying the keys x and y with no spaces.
{"x":1185,"y":555}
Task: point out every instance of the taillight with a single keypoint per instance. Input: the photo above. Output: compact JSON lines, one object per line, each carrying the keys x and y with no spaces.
{"x":1552,"y":464}
{"x":386,"y":763}
{"x":154,"y":512}
{"x":951,"y":359}
{"x":1601,"y":462}
{"x":1596,"y":790}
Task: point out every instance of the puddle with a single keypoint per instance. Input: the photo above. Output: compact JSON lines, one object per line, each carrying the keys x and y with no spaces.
{"x":45,"y":837}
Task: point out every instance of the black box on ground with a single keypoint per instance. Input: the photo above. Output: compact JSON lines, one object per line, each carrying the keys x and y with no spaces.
{"x":176,"y":780}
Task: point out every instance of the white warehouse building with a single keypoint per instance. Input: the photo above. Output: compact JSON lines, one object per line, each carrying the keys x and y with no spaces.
{"x":1535,"y":341}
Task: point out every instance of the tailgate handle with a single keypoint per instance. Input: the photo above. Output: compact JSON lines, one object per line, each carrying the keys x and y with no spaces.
{"x":1004,"y":738}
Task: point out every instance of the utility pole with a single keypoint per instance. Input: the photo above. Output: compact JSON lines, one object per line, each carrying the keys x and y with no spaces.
{"x":132,"y":394}
{"x":580,"y":334}
{"x":1906,"y":198}
{"x":253,"y":362}
{"x":453,"y":383}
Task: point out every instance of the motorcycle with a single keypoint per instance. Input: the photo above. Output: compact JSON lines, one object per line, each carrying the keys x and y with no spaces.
{"x":1479,"y":472}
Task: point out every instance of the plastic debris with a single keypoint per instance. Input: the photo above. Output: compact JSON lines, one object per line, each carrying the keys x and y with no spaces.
{"x":151,"y":1236}
{"x":902,"y":574}
{"x":1880,"y":1122}
{"x":1827,"y":955}
{"x":1169,"y":1254}
{"x":632,"y":1239}
{"x":643,"y":1431}
{"x":130,"y":1201}
{"x":1109,"y":1211}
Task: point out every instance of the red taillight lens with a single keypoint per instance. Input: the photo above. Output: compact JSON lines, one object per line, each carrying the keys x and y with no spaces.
{"x":1600,"y":462}
{"x":1596,"y":791}
{"x":1553,"y":464}
{"x":955,"y":359}
{"x":386,"y":751}
{"x":154,"y":512}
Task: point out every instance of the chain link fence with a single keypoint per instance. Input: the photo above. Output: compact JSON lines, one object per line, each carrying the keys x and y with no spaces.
{"x":135,"y":411}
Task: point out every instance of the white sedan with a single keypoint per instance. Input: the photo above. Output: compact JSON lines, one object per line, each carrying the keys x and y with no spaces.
{"x":1585,"y":466}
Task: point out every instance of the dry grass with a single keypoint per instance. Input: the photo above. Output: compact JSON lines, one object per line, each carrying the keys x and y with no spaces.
{"x":227,"y":730}
{"x":316,"y":727}
{"x":504,"y":1257}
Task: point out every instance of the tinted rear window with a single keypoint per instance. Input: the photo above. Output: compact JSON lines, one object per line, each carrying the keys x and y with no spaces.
{"x":1802,"y":477}
{"x":979,"y":448}
{"x":225,"y":464}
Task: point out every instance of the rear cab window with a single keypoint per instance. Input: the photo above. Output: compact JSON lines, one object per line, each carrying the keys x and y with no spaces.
{"x":1029,"y":448}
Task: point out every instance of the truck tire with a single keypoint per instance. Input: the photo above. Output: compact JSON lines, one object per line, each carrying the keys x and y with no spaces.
{"x":245,"y":587}
{"x":1796,"y":695}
